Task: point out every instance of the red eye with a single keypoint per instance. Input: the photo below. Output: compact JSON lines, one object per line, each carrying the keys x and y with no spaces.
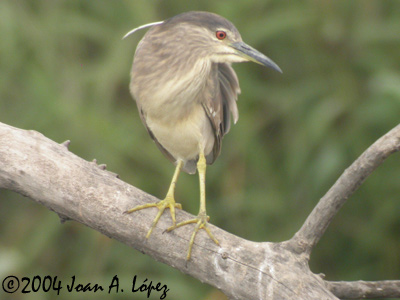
{"x":221,"y":35}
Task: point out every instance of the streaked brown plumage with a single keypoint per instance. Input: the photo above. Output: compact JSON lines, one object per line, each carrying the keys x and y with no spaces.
{"x":186,"y":92}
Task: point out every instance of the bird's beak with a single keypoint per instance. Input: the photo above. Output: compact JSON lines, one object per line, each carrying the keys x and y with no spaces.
{"x":251,"y":54}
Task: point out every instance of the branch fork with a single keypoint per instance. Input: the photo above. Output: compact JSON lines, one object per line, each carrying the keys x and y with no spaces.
{"x":46,"y":172}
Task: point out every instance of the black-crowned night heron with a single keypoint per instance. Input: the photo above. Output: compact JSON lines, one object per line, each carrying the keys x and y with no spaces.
{"x":186,"y":91}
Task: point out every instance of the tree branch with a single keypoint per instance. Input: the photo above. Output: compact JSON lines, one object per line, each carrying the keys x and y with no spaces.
{"x":48,"y":173}
{"x":365,"y":289}
{"x":352,"y":178}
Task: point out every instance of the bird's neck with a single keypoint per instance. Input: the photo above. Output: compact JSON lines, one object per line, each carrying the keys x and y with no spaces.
{"x":180,"y":93}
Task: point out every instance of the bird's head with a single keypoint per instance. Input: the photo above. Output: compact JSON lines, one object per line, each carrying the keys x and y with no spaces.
{"x":207,"y":36}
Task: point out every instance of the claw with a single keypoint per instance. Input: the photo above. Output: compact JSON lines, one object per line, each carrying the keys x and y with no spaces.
{"x":201,"y":222}
{"x":168,"y":202}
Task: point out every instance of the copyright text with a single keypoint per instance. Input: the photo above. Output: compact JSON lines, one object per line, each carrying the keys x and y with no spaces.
{"x":46,"y":284}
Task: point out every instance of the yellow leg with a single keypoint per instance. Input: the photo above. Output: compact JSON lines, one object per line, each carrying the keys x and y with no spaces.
{"x":202,"y":219}
{"x":168,"y":202}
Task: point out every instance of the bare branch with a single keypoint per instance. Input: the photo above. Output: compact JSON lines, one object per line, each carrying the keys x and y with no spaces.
{"x":321,"y":216}
{"x":365,"y":289}
{"x":75,"y":189}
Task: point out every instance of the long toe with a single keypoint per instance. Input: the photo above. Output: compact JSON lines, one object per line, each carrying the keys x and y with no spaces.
{"x":168,"y":202}
{"x":201,"y":222}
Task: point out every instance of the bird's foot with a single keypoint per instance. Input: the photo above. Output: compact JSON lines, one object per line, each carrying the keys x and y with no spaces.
{"x":201,"y":222}
{"x":168,"y":202}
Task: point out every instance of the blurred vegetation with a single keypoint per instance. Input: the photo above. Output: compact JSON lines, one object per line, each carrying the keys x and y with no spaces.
{"x":64,"y":71}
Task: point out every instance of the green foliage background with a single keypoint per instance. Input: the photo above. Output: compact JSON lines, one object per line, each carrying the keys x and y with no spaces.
{"x":64,"y":71}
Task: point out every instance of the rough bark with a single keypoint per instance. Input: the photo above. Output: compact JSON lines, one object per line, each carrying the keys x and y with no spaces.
{"x":46,"y":172}
{"x":365,"y":289}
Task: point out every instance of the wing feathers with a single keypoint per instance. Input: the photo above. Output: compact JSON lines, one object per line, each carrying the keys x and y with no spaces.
{"x":221,"y":103}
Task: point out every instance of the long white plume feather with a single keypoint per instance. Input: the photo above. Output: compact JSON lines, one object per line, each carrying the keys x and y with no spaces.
{"x":142,"y":27}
